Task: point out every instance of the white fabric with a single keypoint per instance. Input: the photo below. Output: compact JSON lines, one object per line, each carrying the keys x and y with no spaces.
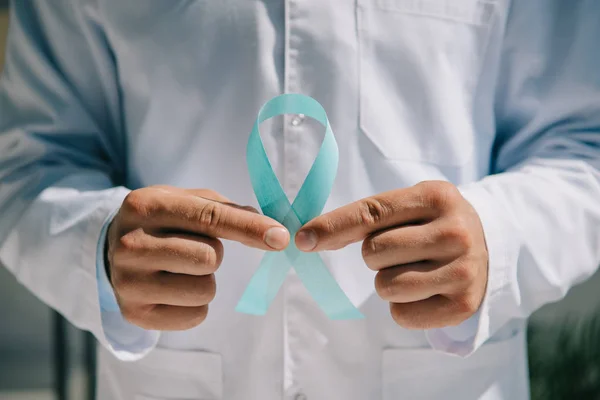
{"x":501,"y":98}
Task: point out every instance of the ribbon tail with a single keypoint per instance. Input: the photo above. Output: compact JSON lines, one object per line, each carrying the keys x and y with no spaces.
{"x":264,"y":284}
{"x":322,"y":286}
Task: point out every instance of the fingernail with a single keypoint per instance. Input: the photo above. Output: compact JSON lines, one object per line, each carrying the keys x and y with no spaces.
{"x":306,"y":240}
{"x":277,"y":238}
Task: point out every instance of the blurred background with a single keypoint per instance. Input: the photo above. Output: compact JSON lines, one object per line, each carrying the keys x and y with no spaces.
{"x":43,"y":358}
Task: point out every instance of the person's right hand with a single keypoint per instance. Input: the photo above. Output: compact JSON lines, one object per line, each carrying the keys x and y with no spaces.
{"x":163,"y":248}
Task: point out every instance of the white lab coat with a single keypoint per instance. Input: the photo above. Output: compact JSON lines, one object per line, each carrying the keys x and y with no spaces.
{"x":502,"y":98}
{"x":496,"y":371}
{"x":369,"y":367}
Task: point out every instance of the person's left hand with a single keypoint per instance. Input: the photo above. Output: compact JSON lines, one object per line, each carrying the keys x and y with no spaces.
{"x":426,"y":243}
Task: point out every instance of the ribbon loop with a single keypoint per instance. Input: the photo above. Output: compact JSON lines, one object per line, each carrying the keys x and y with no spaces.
{"x":310,"y":201}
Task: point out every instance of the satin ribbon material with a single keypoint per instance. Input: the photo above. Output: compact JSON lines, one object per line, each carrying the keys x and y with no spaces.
{"x":311,"y":198}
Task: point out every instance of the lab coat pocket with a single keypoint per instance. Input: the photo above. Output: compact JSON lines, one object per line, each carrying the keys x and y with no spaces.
{"x":495,"y":371}
{"x":166,"y":374}
{"x":420,"y":62}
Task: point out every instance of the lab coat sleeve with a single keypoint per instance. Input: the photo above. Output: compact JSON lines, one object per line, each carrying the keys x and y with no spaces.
{"x":62,"y":159}
{"x":540,"y":208}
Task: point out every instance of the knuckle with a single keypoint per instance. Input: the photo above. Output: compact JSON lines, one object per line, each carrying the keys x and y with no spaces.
{"x":138,"y":203}
{"x":326,"y":229}
{"x":130,"y":242}
{"x":209,"y":260}
{"x":396,"y":314}
{"x":217,"y":252}
{"x":124,"y":283}
{"x":458,"y":235}
{"x":208,"y":289}
{"x":368,"y":250}
{"x":328,"y":226}
{"x":400,"y":316}
{"x":403,"y":316}
{"x":210,"y":214}
{"x":385,"y":287}
{"x":464,"y":272}
{"x":199,"y":316}
{"x":372,"y":211}
{"x":206,"y":257}
{"x":438,"y":194}
{"x":466,"y":305}
{"x":324,"y":226}
{"x":137,"y":315}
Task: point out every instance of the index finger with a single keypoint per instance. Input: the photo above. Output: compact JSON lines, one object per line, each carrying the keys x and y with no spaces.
{"x":199,"y":215}
{"x":354,"y":222}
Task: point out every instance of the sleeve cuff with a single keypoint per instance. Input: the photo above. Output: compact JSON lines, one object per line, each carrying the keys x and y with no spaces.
{"x":125,"y":341}
{"x":503,"y":249}
{"x":108,"y":301}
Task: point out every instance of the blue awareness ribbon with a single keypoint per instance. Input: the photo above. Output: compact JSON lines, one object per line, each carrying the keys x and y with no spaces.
{"x":308,"y":204}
